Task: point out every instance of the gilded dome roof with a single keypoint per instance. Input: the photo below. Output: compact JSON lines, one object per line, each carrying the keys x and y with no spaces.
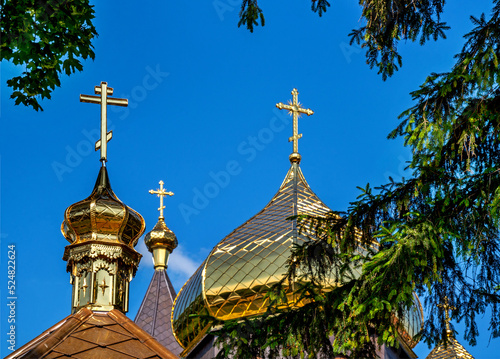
{"x":450,"y":349}
{"x":240,"y":270}
{"x":103,"y":217}
{"x":161,"y":235}
{"x":233,"y":280}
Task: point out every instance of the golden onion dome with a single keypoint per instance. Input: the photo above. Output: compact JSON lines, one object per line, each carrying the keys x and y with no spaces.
{"x":234,"y":280}
{"x":161,"y":235}
{"x":241,"y":269}
{"x":102,"y":217}
{"x":449,"y":349}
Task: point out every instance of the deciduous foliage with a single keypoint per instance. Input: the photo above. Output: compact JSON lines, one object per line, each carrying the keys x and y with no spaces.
{"x":437,"y":232}
{"x":386,"y":22}
{"x":48,"y":38}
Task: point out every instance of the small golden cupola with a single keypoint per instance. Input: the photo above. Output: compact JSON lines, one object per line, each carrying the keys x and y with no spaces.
{"x":102,"y":232}
{"x":161,"y":241}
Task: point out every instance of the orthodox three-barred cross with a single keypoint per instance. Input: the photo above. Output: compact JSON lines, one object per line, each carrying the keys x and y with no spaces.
{"x":103,"y":91}
{"x":161,"y":193}
{"x":447,"y":307}
{"x":295,"y":109}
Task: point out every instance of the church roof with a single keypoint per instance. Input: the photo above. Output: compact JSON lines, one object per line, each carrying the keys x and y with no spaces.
{"x":154,"y":315}
{"x":450,"y":349}
{"x":240,"y":270}
{"x":93,"y":335}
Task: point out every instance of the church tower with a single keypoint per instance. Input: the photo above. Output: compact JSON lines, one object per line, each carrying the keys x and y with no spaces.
{"x":154,"y":315}
{"x":102,"y":232}
{"x":101,"y":259}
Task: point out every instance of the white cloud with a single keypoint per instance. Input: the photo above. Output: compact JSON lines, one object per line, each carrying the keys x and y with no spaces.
{"x":147,"y":257}
{"x":181,"y":263}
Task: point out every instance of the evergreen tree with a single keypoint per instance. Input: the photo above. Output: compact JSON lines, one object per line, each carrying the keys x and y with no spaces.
{"x":386,"y":23}
{"x":437,"y":232}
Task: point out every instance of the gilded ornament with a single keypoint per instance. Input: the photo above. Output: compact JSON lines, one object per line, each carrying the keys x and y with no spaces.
{"x":103,"y":91}
{"x":84,"y":286}
{"x":295,"y":109}
{"x":161,"y":193}
{"x":103,"y":286}
{"x":447,"y":307}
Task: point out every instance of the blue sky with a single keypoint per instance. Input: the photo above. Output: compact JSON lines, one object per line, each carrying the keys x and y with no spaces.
{"x":202,"y":97}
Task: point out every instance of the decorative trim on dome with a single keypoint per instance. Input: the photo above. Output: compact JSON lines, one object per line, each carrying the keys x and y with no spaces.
{"x":77,"y":253}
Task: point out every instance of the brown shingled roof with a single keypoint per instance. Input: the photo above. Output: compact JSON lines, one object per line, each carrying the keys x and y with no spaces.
{"x":154,"y":315}
{"x":97,"y":335}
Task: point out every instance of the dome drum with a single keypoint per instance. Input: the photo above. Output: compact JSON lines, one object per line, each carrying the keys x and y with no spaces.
{"x":100,"y":274}
{"x":161,"y":254}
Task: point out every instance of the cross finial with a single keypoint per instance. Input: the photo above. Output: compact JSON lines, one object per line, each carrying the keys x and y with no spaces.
{"x":295,"y":109}
{"x":161,"y":193}
{"x":103,"y":91}
{"x":447,"y":307}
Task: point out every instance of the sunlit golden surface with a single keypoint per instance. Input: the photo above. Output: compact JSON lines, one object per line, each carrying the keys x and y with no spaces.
{"x":102,"y":216}
{"x":232,"y":282}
